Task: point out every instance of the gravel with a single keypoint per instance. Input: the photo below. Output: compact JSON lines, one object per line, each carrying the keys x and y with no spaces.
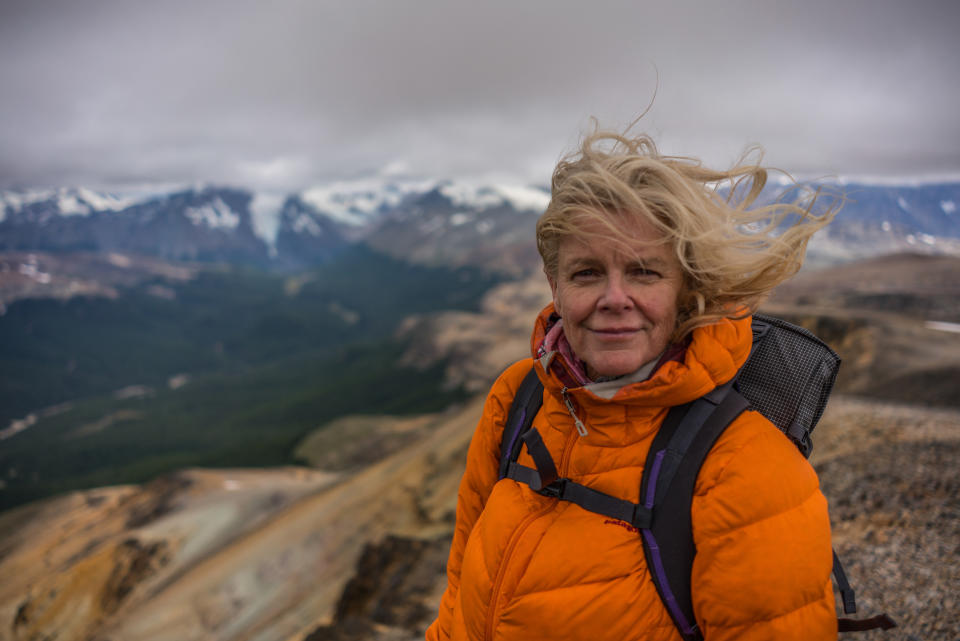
{"x":893,"y":489}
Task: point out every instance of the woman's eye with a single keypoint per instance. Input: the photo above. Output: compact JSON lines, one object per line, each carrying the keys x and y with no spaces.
{"x":643,"y":272}
{"x":584,"y":273}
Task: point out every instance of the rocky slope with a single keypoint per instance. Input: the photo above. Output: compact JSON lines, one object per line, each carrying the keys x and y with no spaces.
{"x":355,"y":547}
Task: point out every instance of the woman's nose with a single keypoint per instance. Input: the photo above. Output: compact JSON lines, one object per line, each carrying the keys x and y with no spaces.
{"x":615,"y":295}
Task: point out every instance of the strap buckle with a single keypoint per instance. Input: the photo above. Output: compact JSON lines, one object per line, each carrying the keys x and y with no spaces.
{"x":556,"y":489}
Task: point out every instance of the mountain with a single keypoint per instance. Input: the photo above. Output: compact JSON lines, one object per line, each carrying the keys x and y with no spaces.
{"x":458,"y":225}
{"x":305,"y":236}
{"x":230,"y":225}
{"x":423,"y":221}
{"x":877,"y":219}
{"x":208,"y":224}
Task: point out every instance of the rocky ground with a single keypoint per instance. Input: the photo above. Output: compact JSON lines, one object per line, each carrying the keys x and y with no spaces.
{"x":892,"y":476}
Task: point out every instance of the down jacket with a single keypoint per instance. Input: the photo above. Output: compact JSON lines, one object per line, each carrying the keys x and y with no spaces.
{"x":525,"y":566}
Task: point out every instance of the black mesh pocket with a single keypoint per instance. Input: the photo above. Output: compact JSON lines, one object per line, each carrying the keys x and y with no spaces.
{"x":788,"y":377}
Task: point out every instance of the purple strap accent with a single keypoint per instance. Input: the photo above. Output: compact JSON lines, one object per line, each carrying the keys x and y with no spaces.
{"x":516,"y":430}
{"x":652,"y":481}
{"x":668,"y":598}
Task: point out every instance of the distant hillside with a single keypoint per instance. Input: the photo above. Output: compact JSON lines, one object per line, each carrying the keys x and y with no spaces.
{"x":895,"y":321}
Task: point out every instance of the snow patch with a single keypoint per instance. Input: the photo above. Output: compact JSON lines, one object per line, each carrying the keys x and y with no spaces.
{"x":70,"y":205}
{"x":467,"y":195}
{"x":877,"y":180}
{"x":948,"y":206}
{"x":357,"y":202}
{"x":215,"y":215}
{"x":14,"y":201}
{"x":265,"y":217}
{"x":525,"y":198}
{"x":103,"y":202}
{"x":903,"y":203}
{"x":306,"y":223}
{"x":520,"y":197}
{"x":70,"y":202}
{"x":943,"y":326}
{"x":460,"y":218}
{"x":885,"y":225}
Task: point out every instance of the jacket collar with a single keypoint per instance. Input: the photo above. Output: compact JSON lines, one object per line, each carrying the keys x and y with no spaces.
{"x":712,"y":357}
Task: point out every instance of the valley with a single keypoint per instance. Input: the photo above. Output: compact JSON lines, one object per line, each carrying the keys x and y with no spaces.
{"x":353,"y":546}
{"x":231,"y":370}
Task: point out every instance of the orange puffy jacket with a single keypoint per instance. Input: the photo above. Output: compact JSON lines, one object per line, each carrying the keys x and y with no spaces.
{"x":525,"y":566}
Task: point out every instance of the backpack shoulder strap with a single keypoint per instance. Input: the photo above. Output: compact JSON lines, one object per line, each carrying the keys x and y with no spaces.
{"x":676,"y":455}
{"x":669,"y":475}
{"x":526,"y":403}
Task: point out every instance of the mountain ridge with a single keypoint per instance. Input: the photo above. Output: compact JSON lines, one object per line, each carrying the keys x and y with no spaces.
{"x":429,"y":221}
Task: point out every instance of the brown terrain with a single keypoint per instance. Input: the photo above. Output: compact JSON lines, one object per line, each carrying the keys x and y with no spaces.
{"x":354,"y":546}
{"x":62,"y":276}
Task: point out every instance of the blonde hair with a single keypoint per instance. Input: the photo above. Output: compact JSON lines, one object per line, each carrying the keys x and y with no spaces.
{"x":733,"y":251}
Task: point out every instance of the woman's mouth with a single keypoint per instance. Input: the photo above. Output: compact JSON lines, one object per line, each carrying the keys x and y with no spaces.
{"x":616,"y":332}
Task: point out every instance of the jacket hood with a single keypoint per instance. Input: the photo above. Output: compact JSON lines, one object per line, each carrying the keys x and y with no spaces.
{"x":712,"y":357}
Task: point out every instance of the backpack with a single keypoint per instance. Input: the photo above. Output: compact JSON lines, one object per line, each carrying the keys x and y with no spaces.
{"x":787,"y":378}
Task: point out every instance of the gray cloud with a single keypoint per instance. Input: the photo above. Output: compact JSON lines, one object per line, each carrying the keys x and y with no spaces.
{"x":290,"y":93}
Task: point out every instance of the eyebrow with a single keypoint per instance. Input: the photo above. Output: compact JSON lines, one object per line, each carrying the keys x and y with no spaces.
{"x":652,"y":262}
{"x":658,"y":263}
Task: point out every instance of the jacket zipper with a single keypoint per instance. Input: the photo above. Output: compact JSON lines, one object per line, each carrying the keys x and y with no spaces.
{"x":501,"y":573}
{"x":581,"y":428}
{"x":524,"y":524}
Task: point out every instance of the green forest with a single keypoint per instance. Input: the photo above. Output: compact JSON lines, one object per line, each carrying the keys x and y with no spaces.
{"x":269,"y":358}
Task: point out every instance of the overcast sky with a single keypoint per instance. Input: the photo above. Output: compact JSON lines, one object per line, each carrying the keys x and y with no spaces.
{"x":285,"y":94}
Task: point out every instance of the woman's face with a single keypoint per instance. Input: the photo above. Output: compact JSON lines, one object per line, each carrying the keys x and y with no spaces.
{"x":618,"y":308}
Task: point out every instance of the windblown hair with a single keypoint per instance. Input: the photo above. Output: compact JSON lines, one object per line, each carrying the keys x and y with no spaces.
{"x":733,"y":250}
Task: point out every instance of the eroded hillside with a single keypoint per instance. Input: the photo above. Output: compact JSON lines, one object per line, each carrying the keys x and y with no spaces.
{"x":354,"y":547}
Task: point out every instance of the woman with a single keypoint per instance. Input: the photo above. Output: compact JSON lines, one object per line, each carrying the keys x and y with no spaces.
{"x":654,"y":276}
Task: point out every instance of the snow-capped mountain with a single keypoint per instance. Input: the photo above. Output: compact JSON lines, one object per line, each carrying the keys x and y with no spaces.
{"x":463,"y":224}
{"x":234,"y":225}
{"x":424,"y":221}
{"x":206,"y":224}
{"x":40,"y":205}
{"x":358,"y":203}
{"x":303,"y":235}
{"x":884,"y":218}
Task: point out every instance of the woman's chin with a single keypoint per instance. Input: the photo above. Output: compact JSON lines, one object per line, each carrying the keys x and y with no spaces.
{"x":612,"y":369}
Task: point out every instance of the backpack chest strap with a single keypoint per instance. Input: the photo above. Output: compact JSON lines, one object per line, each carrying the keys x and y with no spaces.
{"x":545,"y":481}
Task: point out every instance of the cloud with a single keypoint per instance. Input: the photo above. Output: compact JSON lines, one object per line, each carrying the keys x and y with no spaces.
{"x":290,"y":93}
